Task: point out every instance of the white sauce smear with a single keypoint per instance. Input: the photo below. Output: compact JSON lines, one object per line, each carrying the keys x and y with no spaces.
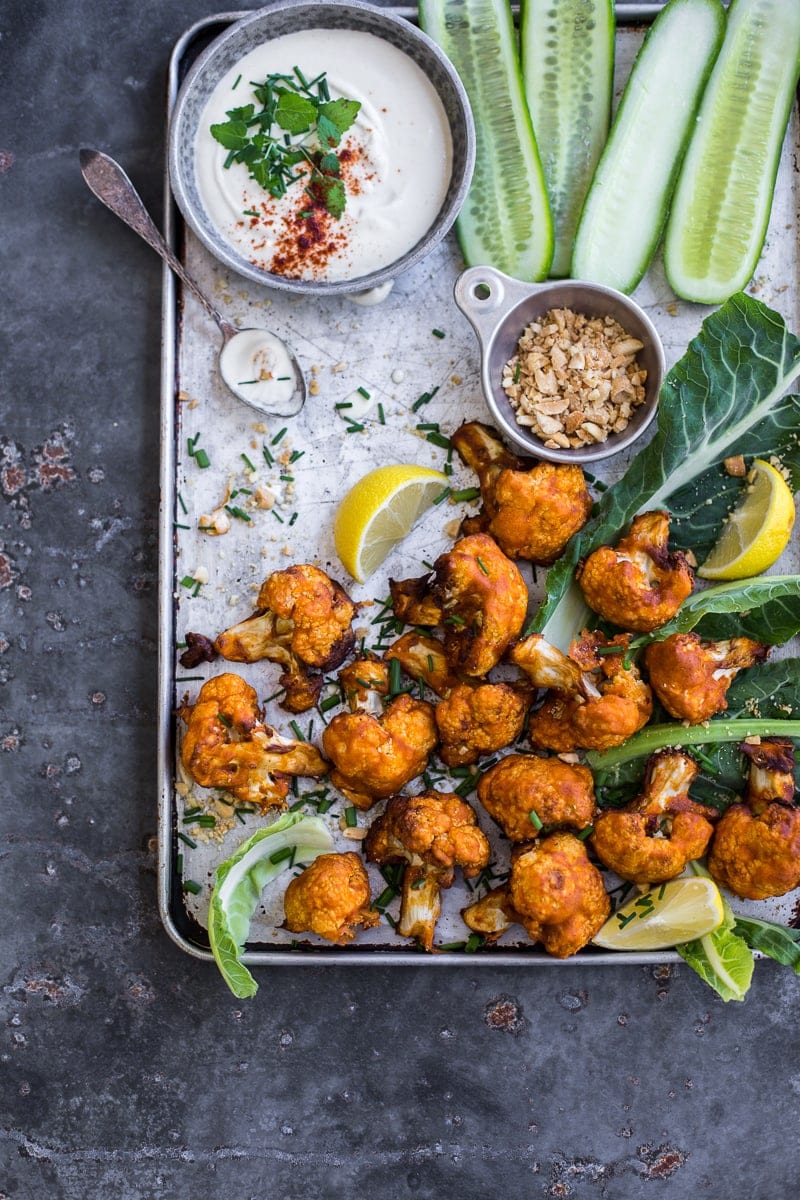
{"x":258,"y":369}
{"x":397,"y":160}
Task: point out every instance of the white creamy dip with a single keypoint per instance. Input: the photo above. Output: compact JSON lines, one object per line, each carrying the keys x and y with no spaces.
{"x":397,"y":160}
{"x":258,"y":368}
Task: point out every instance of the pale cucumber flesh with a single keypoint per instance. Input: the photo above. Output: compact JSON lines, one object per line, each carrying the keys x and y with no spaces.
{"x":505,"y":220}
{"x":627,"y":204}
{"x":723,"y":198}
{"x":567,"y":49}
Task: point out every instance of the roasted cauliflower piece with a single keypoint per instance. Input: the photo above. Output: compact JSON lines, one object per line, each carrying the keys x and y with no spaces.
{"x":654,"y":838}
{"x":433,"y":833}
{"x":484,"y":600}
{"x":593,"y":703}
{"x":755,"y":852}
{"x":330,"y":898}
{"x":423,"y":658}
{"x":554,"y":891}
{"x":479,"y":720}
{"x":691,"y":677}
{"x":524,"y":793}
{"x":637,"y":585}
{"x":376,"y":754}
{"x":303,"y":621}
{"x":365,"y":683}
{"x":530,"y":509}
{"x":227,"y":745}
{"x":413,"y":603}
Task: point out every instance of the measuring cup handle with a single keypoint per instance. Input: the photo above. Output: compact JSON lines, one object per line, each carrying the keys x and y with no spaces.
{"x":485,"y":295}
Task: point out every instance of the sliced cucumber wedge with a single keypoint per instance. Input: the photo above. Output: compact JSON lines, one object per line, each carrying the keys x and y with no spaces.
{"x":720,"y":211}
{"x":627,"y":204}
{"x":567,"y":49}
{"x":505,"y":220}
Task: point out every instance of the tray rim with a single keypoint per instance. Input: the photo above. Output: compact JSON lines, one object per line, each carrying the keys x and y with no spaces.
{"x":307,"y":956}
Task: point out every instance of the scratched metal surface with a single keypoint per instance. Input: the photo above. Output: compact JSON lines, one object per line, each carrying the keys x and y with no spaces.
{"x":390,"y":351}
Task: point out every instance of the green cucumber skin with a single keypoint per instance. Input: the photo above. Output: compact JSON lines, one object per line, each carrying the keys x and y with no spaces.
{"x":505,"y":220}
{"x":627,"y":204}
{"x":567,"y":49}
{"x":774,"y":25}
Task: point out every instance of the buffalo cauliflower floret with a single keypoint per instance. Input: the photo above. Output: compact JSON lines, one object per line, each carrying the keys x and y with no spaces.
{"x":691,"y":677}
{"x":226,"y":745}
{"x":654,"y":838}
{"x":365,"y":683}
{"x":423,"y":658}
{"x":433,"y":833}
{"x":330,"y":898}
{"x":413,"y":603}
{"x":302,"y":621}
{"x":756,"y":848}
{"x":594,"y":701}
{"x":484,"y":601}
{"x":554,"y":892}
{"x":638,"y":585}
{"x":476,"y":720}
{"x":376,"y":754}
{"x":530,"y":509}
{"x":525,"y":793}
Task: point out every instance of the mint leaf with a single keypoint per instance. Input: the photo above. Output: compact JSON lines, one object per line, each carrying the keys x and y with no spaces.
{"x":340,"y":113}
{"x":231,"y":134}
{"x":329,"y":164}
{"x":295,"y":113}
{"x":334,"y":196}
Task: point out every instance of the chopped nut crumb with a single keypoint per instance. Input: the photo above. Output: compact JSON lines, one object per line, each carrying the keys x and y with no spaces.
{"x":735,"y":465}
{"x":574,"y":379}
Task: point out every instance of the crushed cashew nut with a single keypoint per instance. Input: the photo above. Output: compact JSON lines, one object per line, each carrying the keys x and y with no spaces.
{"x":574,"y":379}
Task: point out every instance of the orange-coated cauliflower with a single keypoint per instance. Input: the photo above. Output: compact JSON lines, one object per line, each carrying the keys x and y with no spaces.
{"x":413,"y":603}
{"x":756,"y":848}
{"x":303,"y":621}
{"x":423,"y":658}
{"x":691,"y":677}
{"x":554,"y":891}
{"x":227,"y":745}
{"x":433,"y":833}
{"x":531,"y":509}
{"x":594,"y":700}
{"x":654,"y":838}
{"x":375,"y":751}
{"x":484,"y":600}
{"x":330,"y":898}
{"x":525,"y":793}
{"x":479,"y":720}
{"x":639,"y":585}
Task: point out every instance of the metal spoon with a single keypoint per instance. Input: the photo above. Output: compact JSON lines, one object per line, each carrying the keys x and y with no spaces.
{"x":110,"y":184}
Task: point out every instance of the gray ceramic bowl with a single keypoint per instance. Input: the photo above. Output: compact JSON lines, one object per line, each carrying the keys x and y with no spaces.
{"x":499,"y":307}
{"x":289,"y":16}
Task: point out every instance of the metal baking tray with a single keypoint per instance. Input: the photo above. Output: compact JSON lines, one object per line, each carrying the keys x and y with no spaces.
{"x":392,"y":352}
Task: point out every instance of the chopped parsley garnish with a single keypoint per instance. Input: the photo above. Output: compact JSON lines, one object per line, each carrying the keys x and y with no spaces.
{"x":295,"y":125}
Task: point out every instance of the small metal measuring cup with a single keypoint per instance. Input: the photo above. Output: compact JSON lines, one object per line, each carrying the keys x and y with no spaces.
{"x":499,"y":308}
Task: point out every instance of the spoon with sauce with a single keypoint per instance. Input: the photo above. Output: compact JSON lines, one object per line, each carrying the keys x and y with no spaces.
{"x":255,"y":365}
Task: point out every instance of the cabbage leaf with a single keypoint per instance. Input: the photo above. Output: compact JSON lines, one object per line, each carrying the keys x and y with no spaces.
{"x":726,"y":393}
{"x":240,"y":880}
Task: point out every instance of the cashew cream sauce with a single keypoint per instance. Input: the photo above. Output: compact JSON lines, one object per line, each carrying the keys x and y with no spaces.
{"x":396,"y":170}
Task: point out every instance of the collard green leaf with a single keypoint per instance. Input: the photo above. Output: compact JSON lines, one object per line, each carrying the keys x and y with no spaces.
{"x":776,"y":941}
{"x":771,"y":692}
{"x":725,"y":389}
{"x":240,"y":880}
{"x":778,"y":593}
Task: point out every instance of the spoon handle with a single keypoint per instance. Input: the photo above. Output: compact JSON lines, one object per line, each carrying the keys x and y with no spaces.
{"x":110,"y":184}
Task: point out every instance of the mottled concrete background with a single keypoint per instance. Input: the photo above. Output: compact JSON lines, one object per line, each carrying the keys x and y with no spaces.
{"x":126,"y":1069}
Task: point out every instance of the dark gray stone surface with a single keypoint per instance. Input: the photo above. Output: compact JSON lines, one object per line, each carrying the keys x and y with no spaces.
{"x":126,"y":1069}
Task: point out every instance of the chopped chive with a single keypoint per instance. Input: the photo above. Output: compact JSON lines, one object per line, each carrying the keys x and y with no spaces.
{"x":250,"y":212}
{"x":535,"y":820}
{"x":177,"y":525}
{"x":324,"y":805}
{"x":517,"y":370}
{"x":187,"y":678}
{"x":235,"y":511}
{"x":293,"y":518}
{"x":179,"y":864}
{"x":191,"y":812}
{"x":187,"y":840}
{"x":351,"y":817}
{"x":247,"y":463}
{"x":293,"y":457}
{"x":623,"y":920}
{"x":278,"y":436}
{"x":226,"y":721}
{"x":437,"y":439}
{"x":438,"y":333}
{"x":362,"y":391}
{"x":453,"y":946}
{"x":443,"y":494}
{"x":189,"y":885}
{"x":298,"y":733}
{"x":188,"y":581}
{"x":329,"y":702}
{"x":386,"y":897}
{"x":274,"y":696}
{"x":286,"y":478}
{"x":182,"y":503}
{"x":268,"y":459}
{"x":281,"y":855}
{"x":473,"y":943}
{"x":471,"y":493}
{"x":423,"y":399}
{"x":201,"y":458}
{"x":424,"y":425}
{"x":395,"y":677}
{"x":354,"y":427}
{"x":381,"y":414}
{"x":483,"y":566}
{"x":276,"y":515}
{"x":583,"y":834}
{"x":431,"y":667}
{"x":236,"y":83}
{"x":344,"y":404}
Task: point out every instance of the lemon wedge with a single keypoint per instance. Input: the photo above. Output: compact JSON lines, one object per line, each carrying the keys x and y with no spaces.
{"x":757,"y":531}
{"x":666,"y":915}
{"x":379,"y":511}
